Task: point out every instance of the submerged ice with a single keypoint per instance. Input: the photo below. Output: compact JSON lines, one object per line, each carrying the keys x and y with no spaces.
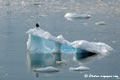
{"x":41,"y":41}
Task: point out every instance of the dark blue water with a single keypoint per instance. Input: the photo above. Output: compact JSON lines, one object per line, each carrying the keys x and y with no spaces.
{"x":16,"y":17}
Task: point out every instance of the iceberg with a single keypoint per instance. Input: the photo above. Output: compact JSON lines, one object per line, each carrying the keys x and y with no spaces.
{"x":71,"y":16}
{"x":41,"y":41}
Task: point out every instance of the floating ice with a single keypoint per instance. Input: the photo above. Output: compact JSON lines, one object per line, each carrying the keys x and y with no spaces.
{"x":100,"y":23}
{"x":95,"y":47}
{"x":49,"y":69}
{"x":77,"y":16}
{"x":81,"y":68}
{"x":61,"y":62}
{"x":41,"y":41}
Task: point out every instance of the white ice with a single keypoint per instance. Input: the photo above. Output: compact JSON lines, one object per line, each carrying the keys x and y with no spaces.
{"x":95,"y":47}
{"x":76,"y":15}
{"x":40,"y":40}
{"x":100,"y":23}
{"x":48,"y":69}
{"x":61,"y":62}
{"x":81,"y":68}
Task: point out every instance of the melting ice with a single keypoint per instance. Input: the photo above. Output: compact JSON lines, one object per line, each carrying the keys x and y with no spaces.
{"x":41,"y":41}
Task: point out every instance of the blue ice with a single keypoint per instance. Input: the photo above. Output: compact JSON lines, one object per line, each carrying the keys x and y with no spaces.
{"x":40,"y":41}
{"x":40,"y":45}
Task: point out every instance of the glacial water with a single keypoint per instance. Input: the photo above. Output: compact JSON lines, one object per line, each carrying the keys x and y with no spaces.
{"x":16,"y":17}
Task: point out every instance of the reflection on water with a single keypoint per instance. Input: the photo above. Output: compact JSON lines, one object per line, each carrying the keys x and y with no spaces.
{"x":83,"y":54}
{"x":41,"y":61}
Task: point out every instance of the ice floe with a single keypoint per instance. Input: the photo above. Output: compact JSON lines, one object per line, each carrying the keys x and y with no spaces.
{"x":49,"y":69}
{"x":70,"y":16}
{"x":61,"y":62}
{"x":81,"y":68}
{"x":100,"y":23}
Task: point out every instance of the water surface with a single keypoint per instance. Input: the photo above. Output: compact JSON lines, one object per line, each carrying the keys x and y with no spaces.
{"x":16,"y":17}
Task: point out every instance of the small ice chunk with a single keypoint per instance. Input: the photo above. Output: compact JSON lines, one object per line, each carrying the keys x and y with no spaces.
{"x":61,"y":62}
{"x":48,"y":69}
{"x":77,"y":15}
{"x":81,"y":68}
{"x":100,"y":23}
